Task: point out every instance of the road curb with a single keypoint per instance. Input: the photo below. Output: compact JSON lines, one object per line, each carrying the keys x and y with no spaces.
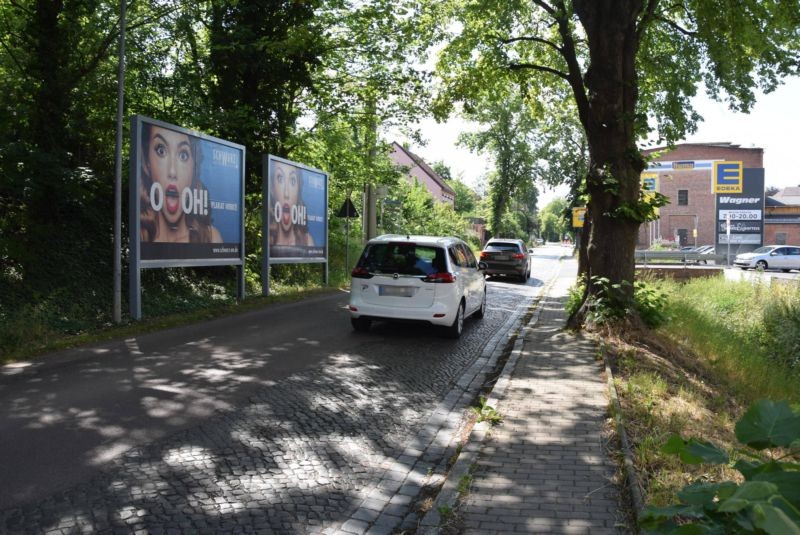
{"x":627,"y":457}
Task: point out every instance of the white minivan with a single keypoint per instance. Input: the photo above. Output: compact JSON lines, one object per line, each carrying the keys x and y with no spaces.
{"x":417,"y":278}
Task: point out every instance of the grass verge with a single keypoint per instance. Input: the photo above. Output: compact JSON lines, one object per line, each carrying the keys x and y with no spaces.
{"x":697,"y":374}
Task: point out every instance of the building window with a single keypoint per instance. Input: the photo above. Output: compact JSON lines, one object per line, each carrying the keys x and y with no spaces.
{"x":683,"y":197}
{"x":780,"y":238}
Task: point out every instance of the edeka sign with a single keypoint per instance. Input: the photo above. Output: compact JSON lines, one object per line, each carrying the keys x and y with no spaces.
{"x":745,"y":211}
{"x":727,"y":177}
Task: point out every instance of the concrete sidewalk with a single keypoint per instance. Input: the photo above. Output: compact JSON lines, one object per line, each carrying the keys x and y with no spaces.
{"x":546,"y":469}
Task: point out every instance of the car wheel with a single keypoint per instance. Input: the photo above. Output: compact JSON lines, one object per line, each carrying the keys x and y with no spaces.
{"x":481,"y":309}
{"x":361,"y":324}
{"x":455,"y":330}
{"x":761,"y":264}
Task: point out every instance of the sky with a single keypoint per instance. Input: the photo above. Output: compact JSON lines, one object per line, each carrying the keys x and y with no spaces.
{"x":772,"y":125}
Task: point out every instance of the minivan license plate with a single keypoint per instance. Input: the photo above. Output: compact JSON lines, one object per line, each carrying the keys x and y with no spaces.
{"x":396,"y":291}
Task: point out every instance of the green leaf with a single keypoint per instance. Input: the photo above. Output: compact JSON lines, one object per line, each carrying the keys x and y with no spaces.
{"x":767,"y":424}
{"x":699,"y":493}
{"x":695,"y":451}
{"x":773,"y":520}
{"x":788,"y":484}
{"x":748,"y":492}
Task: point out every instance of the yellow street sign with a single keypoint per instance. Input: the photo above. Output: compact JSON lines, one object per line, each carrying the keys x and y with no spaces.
{"x":578,"y":216}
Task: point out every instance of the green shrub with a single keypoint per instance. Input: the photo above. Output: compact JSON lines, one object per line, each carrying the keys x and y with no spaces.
{"x":575,"y":296}
{"x":651,"y":302}
{"x":768,"y":501}
{"x":609,"y":304}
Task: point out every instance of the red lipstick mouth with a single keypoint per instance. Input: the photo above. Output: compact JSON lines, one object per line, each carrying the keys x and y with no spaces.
{"x":286,"y":216}
{"x":172,"y":199}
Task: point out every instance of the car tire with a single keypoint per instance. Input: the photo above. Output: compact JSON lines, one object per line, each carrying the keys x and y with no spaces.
{"x":762,"y":265}
{"x":361,"y":325}
{"x":481,"y":309}
{"x":455,"y":330}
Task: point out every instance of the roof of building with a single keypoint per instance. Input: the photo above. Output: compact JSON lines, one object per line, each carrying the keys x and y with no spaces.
{"x":785,"y":197}
{"x":721,"y":144}
{"x":425,"y":168}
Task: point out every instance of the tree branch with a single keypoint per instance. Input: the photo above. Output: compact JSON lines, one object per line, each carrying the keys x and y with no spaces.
{"x":676,"y":26}
{"x":12,"y":56}
{"x":647,"y":18}
{"x":547,"y":7}
{"x":112,"y":36}
{"x":541,"y":68}
{"x":570,"y":55}
{"x":532,"y":39}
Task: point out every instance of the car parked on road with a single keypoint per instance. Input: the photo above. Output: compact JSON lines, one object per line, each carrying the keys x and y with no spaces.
{"x":417,"y":278}
{"x":506,"y":257}
{"x":784,"y":257}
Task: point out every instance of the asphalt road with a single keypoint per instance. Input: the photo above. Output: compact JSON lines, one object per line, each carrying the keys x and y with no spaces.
{"x":102,"y":418}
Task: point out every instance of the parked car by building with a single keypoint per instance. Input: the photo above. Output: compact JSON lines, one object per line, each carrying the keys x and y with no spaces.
{"x":417,"y":278}
{"x":506,"y":257}
{"x":784,"y":257}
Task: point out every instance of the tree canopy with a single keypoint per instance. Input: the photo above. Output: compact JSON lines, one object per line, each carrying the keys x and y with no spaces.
{"x":630,"y":69}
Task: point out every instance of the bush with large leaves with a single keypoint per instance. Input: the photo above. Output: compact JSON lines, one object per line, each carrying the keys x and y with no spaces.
{"x":767,"y":501}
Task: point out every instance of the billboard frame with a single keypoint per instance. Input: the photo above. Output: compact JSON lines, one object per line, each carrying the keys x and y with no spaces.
{"x":266,"y":261}
{"x":136,"y":264}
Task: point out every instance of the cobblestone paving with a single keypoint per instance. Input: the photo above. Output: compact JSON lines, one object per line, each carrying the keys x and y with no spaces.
{"x":546,"y":468}
{"x":301,"y":457}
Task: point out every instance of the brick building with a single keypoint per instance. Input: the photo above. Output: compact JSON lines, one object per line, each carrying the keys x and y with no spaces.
{"x":415,"y":168}
{"x":684,"y":176}
{"x":782,"y":218}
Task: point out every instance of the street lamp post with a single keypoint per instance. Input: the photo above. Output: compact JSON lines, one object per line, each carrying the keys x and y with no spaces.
{"x":118,"y":173}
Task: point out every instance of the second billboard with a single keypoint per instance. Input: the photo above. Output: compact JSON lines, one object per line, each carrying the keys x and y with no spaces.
{"x":296,"y":212}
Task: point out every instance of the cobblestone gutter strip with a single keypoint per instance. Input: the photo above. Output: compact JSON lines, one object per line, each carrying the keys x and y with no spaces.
{"x":627,"y":456}
{"x":389,"y":505}
{"x":449,"y":495}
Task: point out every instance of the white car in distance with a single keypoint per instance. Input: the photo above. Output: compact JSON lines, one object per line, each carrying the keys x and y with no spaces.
{"x":783,"y":257}
{"x":429,"y":279}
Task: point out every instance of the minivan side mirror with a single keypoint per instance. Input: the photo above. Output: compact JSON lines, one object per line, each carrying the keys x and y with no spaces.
{"x":482,"y":266}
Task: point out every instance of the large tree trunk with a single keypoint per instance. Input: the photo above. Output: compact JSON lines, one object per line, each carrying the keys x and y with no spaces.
{"x":615,"y":162}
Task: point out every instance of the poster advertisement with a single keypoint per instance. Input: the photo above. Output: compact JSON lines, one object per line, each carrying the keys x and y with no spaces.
{"x":188,"y":193}
{"x":297,"y":212}
{"x":744,"y":211}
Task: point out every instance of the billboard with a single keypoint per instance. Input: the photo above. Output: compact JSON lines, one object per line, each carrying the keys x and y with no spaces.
{"x":187,"y":197}
{"x":744,"y":211}
{"x":296,"y":212}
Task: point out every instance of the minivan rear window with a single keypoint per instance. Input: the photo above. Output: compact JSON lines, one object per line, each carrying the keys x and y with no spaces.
{"x":403,"y":258}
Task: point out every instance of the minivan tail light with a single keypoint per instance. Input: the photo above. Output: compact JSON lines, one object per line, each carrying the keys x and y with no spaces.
{"x":440,"y":277}
{"x":361,"y":273}
{"x":484,"y":255}
{"x":518,"y":256}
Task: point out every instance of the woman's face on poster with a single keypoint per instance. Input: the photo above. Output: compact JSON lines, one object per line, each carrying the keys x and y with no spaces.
{"x":285,"y":191}
{"x":170,"y":162}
